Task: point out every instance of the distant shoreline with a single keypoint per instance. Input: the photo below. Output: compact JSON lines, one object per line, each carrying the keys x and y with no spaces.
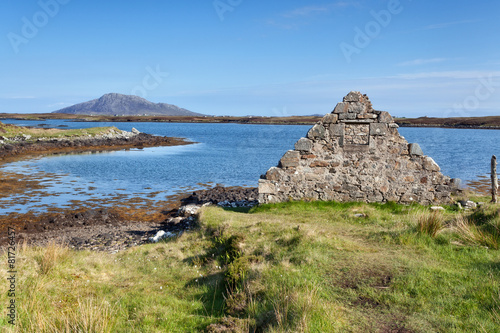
{"x":490,"y":122}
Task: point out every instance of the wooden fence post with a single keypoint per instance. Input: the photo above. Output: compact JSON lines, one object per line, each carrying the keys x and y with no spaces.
{"x":494,"y":179}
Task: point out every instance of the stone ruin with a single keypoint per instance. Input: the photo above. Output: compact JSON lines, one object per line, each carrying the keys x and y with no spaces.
{"x":356,"y":153}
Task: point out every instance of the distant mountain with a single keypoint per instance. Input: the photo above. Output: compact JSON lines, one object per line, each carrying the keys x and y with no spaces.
{"x":126,"y":105}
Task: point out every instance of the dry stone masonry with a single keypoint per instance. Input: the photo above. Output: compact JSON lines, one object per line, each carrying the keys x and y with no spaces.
{"x":356,"y":153}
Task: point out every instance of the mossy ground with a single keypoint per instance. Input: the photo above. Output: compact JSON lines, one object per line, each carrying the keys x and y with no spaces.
{"x":291,"y":267}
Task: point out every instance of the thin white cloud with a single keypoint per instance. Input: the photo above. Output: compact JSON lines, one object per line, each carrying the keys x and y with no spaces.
{"x":294,"y":18}
{"x":418,"y":62}
{"x":17,"y":97}
{"x":317,"y":9}
{"x":447,"y":24}
{"x":448,"y":75}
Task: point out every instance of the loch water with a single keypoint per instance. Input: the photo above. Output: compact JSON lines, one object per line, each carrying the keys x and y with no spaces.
{"x":226,"y":154}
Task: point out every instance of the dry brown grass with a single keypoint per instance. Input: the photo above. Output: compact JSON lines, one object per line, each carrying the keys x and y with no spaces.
{"x":87,"y":316}
{"x":50,"y":256}
{"x":471,"y":234}
{"x":430,"y":223}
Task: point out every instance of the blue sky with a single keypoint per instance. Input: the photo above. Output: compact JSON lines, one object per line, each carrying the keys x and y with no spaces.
{"x":242,"y":57}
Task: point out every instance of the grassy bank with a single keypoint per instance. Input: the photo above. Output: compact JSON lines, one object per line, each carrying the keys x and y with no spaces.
{"x":9,"y":131}
{"x":291,"y":267}
{"x":490,"y":122}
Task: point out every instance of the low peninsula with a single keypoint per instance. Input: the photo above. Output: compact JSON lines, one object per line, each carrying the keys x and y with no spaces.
{"x":20,"y":141}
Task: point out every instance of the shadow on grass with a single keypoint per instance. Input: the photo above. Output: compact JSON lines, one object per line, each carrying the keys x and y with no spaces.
{"x":212,"y":296}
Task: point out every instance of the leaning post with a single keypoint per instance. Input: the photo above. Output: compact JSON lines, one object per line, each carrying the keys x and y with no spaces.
{"x":494,"y":179}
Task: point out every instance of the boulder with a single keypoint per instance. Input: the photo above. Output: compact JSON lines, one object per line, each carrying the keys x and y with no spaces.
{"x":188,"y":210}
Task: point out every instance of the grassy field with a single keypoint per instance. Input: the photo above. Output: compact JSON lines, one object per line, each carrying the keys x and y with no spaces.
{"x":291,"y":267}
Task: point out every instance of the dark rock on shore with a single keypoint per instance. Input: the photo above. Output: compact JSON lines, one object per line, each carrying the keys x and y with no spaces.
{"x":107,"y":230}
{"x":224,"y":196}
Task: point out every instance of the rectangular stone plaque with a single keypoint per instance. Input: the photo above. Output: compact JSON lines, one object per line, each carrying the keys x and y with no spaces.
{"x":357,"y":134}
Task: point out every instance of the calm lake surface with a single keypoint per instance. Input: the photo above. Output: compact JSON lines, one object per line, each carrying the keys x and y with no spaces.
{"x":227,"y":154}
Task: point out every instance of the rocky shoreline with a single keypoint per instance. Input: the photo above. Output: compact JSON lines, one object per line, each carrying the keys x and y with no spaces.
{"x":114,"y":139}
{"x":104,"y":229}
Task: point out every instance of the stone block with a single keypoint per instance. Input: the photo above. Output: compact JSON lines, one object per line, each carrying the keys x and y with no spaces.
{"x":337,"y":130}
{"x":430,"y":165}
{"x":385,"y":117}
{"x":319,"y":164}
{"x":341,"y":108}
{"x":330,"y":118}
{"x":356,"y":107}
{"x":317,"y":132}
{"x":414,"y":149}
{"x":347,"y":116}
{"x":304,"y":145}
{"x":290,"y":159}
{"x":378,"y":129}
{"x":266,"y":187}
{"x":368,"y":116}
{"x":273,"y":174}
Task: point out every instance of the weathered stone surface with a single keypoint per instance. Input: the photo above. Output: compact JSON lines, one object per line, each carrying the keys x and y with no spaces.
{"x":304,"y":145}
{"x":347,"y":116}
{"x":367,"y":116}
{"x":273,"y":174}
{"x":385,"y":117}
{"x":356,"y":134}
{"x":317,"y":164}
{"x":330,"y":118}
{"x":378,"y":129}
{"x":317,"y":132}
{"x":415,"y":149}
{"x":356,"y":107}
{"x":353,"y":96}
{"x":290,"y":159}
{"x":356,"y":159}
{"x":337,"y":129}
{"x":266,"y":187}
{"x":430,"y":165}
{"x":341,"y":108}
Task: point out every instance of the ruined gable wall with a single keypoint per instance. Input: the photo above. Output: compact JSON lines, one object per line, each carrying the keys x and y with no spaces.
{"x":356,"y":154}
